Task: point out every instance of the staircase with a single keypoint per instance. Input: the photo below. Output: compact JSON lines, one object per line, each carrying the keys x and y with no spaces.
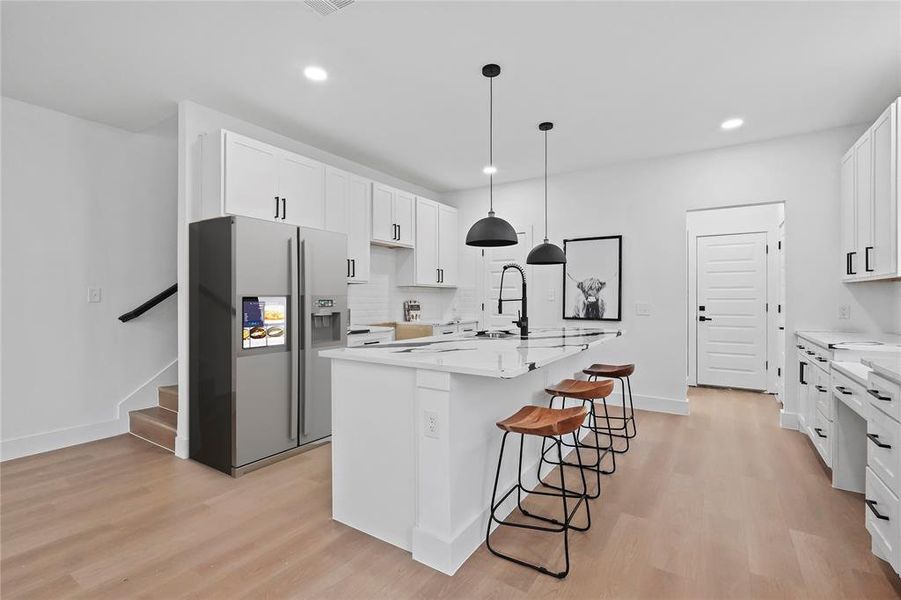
{"x":157,"y":424}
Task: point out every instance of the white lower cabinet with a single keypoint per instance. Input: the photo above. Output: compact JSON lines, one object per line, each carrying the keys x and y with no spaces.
{"x":822,"y":438}
{"x":882,"y":519}
{"x":883,"y":449}
{"x":358,"y":340}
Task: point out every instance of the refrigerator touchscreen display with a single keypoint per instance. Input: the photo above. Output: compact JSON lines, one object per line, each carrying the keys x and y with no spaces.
{"x":265,"y":321}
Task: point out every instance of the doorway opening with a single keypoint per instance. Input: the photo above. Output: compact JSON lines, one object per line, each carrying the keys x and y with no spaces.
{"x":736,"y":302}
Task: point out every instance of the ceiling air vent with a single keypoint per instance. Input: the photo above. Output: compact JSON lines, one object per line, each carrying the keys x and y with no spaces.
{"x":327,"y":7}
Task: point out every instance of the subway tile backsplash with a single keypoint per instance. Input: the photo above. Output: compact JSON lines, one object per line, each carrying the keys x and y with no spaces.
{"x":381,"y":300}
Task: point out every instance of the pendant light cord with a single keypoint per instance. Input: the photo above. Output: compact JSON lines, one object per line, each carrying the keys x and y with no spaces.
{"x":545,"y":186}
{"x":491,"y":143}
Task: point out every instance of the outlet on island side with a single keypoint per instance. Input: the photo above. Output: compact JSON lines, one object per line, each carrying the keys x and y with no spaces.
{"x":844,"y":311}
{"x":431,"y":424}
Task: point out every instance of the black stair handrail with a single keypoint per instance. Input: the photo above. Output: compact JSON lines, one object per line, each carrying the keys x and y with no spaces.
{"x":140,"y":310}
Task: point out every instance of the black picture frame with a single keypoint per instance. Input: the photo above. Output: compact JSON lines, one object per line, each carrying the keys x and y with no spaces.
{"x":571,"y":306}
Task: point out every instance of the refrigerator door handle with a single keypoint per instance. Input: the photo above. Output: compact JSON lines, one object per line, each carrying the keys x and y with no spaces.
{"x":307,"y":335}
{"x":295,"y":345}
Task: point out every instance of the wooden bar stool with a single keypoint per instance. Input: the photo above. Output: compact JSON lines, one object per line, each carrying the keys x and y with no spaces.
{"x":588,"y":392}
{"x":549,"y":423}
{"x":621,"y":372}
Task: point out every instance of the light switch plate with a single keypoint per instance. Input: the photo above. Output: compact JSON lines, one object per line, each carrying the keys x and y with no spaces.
{"x":844,"y":311}
{"x":95,"y":294}
{"x":643,"y":309}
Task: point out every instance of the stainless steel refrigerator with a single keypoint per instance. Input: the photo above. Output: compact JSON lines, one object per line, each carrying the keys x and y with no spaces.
{"x":264,"y":299}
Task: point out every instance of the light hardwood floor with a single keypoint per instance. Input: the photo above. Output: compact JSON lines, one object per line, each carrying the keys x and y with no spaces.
{"x":719,"y":504}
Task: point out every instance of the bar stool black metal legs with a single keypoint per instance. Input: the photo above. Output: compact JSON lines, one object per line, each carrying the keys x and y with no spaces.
{"x":622,"y":373}
{"x":552,"y":424}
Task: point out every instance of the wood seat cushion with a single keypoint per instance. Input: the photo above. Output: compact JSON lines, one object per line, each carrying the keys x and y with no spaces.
{"x":581,"y":389}
{"x":602,"y":370}
{"x":537,"y":420}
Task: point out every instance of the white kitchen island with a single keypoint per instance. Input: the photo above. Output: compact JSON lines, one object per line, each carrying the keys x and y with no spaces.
{"x":414,"y":441}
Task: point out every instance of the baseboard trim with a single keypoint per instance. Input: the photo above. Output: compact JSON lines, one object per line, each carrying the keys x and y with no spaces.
{"x":788,"y":420}
{"x":653,"y":403}
{"x":143,"y":396}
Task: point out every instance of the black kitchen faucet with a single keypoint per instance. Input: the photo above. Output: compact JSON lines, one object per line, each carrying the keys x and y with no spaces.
{"x":523,"y":321}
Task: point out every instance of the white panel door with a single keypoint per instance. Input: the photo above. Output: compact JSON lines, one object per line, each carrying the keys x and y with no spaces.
{"x":448,"y":244}
{"x":780,"y":316}
{"x":882,"y":254}
{"x":251,"y":178}
{"x":358,"y":251}
{"x":492,"y":264}
{"x":403,"y":217}
{"x":732,"y":323}
{"x":426,"y":242}
{"x":300,"y":182}
{"x":849,"y":216}
{"x":383,"y":229}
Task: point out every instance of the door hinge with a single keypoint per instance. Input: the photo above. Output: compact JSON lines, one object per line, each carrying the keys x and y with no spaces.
{"x":767,"y":248}
{"x":766,"y":365}
{"x":766,"y":306}
{"x":778,"y":308}
{"x":483,"y":306}
{"x":780,"y":245}
{"x":778,"y":371}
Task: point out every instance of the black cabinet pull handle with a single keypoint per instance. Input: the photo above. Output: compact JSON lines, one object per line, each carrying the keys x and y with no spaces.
{"x":348,"y":267}
{"x":276,"y":207}
{"x":843,"y":390}
{"x":866,"y":259}
{"x":850,"y":262}
{"x":821,"y":359}
{"x":284,"y":209}
{"x":398,"y":233}
{"x":442,"y":275}
{"x":353,"y":266}
{"x":801,"y":373}
{"x":875,"y":439}
{"x":878,"y":396}
{"x":370,"y":343}
{"x":872,"y":506}
{"x":809,"y":352}
{"x":819,"y":432}
{"x":703,"y":318}
{"x":847,"y":263}
{"x":820,"y":388}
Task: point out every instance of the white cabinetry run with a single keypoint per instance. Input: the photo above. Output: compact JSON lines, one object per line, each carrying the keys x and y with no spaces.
{"x":392,"y":216}
{"x":869,"y":202}
{"x":347,"y":200}
{"x":434,"y":260}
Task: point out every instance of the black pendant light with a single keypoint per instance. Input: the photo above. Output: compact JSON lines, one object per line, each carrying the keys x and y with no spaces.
{"x":491,"y":231}
{"x":546,"y":253}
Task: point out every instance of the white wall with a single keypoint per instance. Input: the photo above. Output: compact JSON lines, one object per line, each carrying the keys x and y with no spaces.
{"x":646,"y":202}
{"x":761,"y":218}
{"x":84,"y":205}
{"x":194,"y":121}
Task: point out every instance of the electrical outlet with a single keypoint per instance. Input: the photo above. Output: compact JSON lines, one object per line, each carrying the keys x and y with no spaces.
{"x":844,"y":311}
{"x":643,"y":309}
{"x":95,"y":294}
{"x":431,"y":424}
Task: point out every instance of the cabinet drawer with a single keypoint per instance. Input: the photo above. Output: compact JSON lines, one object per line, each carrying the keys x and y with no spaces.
{"x":369,"y":339}
{"x":885,"y":395}
{"x":822,"y":437}
{"x":825,"y":403}
{"x":882,"y":518}
{"x":850,"y":392}
{"x":883,"y":456}
{"x":444,"y":330}
{"x":468,"y":327}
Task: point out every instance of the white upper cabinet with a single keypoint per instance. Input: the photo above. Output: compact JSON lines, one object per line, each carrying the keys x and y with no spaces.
{"x":392,"y":216}
{"x":347,"y":209}
{"x":869,"y":212}
{"x":251,"y":178}
{"x":448,"y":244}
{"x":883,"y":257}
{"x":434,"y":259}
{"x":266,"y":182}
{"x":300,"y":182}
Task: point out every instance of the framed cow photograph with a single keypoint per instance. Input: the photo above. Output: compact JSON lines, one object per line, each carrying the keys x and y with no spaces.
{"x":592,"y":278}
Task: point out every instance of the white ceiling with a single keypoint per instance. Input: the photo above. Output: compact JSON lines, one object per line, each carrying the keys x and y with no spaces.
{"x":405,"y":93}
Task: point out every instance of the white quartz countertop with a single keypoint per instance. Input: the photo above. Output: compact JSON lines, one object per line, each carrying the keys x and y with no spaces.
{"x":471,"y":354}
{"x":851,"y":340}
{"x":888,"y":367}
{"x":855,"y":370}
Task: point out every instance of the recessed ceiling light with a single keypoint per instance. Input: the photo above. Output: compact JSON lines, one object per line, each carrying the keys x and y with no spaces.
{"x":314,"y":73}
{"x":489,"y":170}
{"x":732,"y":123}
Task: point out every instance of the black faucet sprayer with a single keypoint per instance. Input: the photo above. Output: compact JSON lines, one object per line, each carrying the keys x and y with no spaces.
{"x":523,"y":316}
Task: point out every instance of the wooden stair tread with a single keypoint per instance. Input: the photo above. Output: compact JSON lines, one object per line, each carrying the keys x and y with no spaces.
{"x":157,"y":415}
